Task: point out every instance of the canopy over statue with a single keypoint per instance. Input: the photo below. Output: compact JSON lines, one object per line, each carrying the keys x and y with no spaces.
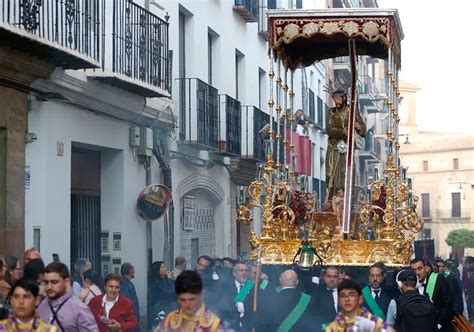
{"x":381,"y":223}
{"x":301,"y":37}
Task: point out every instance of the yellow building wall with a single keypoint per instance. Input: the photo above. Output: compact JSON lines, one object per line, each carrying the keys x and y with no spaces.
{"x":440,"y":179}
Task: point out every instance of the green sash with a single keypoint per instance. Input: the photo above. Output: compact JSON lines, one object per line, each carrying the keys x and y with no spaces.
{"x":244,"y":291}
{"x":431,"y":285}
{"x":374,"y":307}
{"x":295,"y":314}
{"x":264,"y":284}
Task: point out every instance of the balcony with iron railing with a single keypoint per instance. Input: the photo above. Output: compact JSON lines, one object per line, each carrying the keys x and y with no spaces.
{"x":342,"y":66}
{"x":453,"y":215}
{"x":252,"y":144}
{"x":263,"y":19}
{"x":247,"y":9}
{"x":198,"y":113}
{"x":312,"y":106}
{"x":135,"y":50}
{"x":321,"y":109}
{"x":264,"y":5}
{"x":369,"y":95}
{"x":64,"y":33}
{"x":230,"y":126}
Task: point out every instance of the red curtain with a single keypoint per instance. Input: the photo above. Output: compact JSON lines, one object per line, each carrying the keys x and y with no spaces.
{"x":303,"y":147}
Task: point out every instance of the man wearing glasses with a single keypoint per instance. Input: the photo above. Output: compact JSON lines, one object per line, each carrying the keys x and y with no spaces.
{"x":353,"y":317}
{"x":237,"y":305}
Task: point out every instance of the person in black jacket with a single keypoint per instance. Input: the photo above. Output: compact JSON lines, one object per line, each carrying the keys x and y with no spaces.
{"x":415,"y":312}
{"x":380,"y":295}
{"x":162,"y":299}
{"x":127,"y":288}
{"x":448,"y":270}
{"x":326,"y":298}
{"x":442,"y":297}
{"x":237,"y":296}
{"x":290,"y":299}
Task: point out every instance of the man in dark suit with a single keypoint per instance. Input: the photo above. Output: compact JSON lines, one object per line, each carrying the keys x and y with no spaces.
{"x":290,"y":301}
{"x":376,"y":298}
{"x":441,"y":295}
{"x":326,"y":298}
{"x":237,"y":299}
{"x":127,"y":288}
{"x":446,"y":268}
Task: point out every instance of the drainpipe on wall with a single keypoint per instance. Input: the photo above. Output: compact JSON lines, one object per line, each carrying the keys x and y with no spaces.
{"x":161,"y":141}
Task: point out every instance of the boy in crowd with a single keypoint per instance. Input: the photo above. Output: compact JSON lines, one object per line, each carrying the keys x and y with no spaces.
{"x":24,"y":297}
{"x":352,"y":314}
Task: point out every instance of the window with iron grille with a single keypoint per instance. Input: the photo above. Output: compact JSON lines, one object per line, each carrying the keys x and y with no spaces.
{"x":233,"y":114}
{"x":321,"y":111}
{"x":260,"y":119}
{"x":207,"y":111}
{"x":312,"y":110}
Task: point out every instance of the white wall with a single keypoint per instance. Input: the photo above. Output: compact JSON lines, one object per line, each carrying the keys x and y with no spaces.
{"x":122,"y":178}
{"x":230,"y":33}
{"x":215,"y":176}
{"x":233,"y":33}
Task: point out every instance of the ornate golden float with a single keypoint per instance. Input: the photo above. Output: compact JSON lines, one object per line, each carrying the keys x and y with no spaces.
{"x":282,"y":218}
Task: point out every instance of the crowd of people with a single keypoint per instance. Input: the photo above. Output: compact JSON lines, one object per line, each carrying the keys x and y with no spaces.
{"x":230,"y":295}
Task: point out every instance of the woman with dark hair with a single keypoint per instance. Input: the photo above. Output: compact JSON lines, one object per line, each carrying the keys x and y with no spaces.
{"x":14,"y":271}
{"x":91,"y":286}
{"x":34,"y":270}
{"x":162,"y":296}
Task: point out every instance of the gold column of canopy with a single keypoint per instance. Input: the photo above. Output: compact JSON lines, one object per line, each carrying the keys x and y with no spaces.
{"x":287,"y":211}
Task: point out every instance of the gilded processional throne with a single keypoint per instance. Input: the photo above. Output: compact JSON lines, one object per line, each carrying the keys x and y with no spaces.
{"x":284,"y":222}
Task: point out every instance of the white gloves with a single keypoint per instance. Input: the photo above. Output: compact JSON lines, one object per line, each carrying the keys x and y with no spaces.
{"x":364,"y":324}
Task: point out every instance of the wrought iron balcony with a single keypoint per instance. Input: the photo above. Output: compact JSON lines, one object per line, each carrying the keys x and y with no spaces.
{"x":369,"y":94}
{"x":198,"y":113}
{"x":230,"y":126}
{"x":342,"y":67}
{"x":247,"y":9}
{"x":262,"y":18}
{"x":254,"y":120}
{"x":321,"y":110}
{"x":453,"y":214}
{"x":372,"y":148}
{"x":312,"y":106}
{"x":64,"y":33}
{"x":135,"y":46}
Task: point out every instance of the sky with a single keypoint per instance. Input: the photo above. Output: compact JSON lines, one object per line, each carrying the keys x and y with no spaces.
{"x":438,"y":57}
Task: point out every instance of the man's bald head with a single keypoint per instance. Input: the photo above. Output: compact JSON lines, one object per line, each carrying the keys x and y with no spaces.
{"x":288,"y":278}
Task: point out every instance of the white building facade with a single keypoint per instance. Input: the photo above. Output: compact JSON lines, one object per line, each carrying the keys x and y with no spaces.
{"x":84,"y":173}
{"x":221,"y":92}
